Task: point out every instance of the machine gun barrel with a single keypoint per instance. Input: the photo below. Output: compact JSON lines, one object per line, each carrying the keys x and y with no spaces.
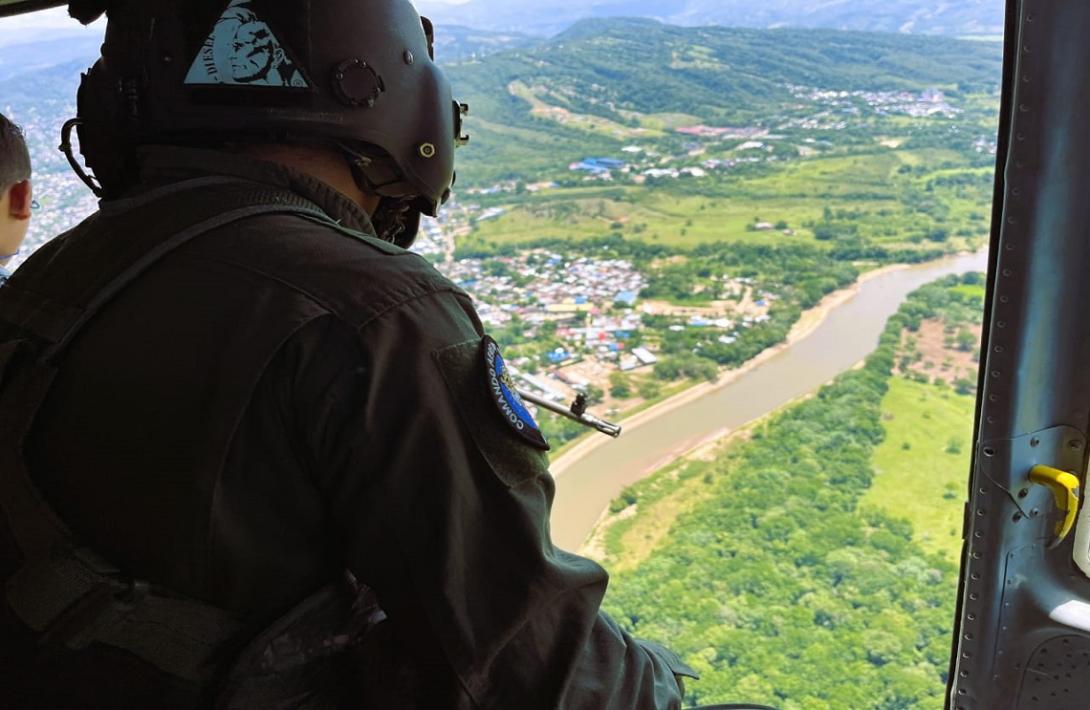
{"x":577,"y":413}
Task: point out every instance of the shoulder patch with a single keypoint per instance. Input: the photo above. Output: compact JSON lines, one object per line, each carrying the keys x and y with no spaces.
{"x":506,"y":398}
{"x":242,"y":50}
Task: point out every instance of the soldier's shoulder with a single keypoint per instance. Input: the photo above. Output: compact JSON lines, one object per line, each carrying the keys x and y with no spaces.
{"x":353,"y":274}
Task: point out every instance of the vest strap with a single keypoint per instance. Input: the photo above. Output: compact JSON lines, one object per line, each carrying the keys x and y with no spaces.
{"x":68,"y":595}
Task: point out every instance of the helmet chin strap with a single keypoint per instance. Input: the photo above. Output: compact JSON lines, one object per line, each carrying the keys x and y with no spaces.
{"x":396,"y":220}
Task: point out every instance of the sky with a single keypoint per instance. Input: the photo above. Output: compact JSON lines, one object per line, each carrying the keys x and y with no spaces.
{"x":58,"y":19}
{"x":55,"y":23}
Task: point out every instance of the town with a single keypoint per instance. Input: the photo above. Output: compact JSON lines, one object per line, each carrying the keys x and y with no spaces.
{"x":573,"y":323}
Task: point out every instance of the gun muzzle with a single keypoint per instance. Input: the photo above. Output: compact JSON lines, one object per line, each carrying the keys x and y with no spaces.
{"x":587,"y":420}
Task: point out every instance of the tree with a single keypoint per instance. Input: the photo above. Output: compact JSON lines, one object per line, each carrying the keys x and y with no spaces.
{"x":967,"y":342}
{"x":964,"y":386}
{"x":650,"y":389}
{"x":620,"y":386}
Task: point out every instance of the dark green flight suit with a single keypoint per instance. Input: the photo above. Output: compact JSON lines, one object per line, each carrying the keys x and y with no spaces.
{"x":277,"y":402}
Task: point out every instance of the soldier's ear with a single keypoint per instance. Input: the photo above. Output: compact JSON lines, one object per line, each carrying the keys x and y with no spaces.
{"x":21,"y":198}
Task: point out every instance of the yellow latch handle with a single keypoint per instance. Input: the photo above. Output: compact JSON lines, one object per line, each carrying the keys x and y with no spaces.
{"x":1065,"y":487}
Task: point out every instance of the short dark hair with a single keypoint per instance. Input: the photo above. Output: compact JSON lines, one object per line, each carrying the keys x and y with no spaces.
{"x":14,"y":156}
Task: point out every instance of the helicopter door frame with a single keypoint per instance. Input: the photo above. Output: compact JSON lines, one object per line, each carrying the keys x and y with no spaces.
{"x":1022,"y":633}
{"x":19,"y":7}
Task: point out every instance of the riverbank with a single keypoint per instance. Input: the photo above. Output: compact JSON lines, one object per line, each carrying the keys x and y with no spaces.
{"x":831,"y":338}
{"x":807,"y":323}
{"x":708,"y":450}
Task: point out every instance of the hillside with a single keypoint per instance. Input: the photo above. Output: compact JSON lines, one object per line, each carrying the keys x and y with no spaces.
{"x":455,"y":43}
{"x":604,"y":83}
{"x":968,"y":17}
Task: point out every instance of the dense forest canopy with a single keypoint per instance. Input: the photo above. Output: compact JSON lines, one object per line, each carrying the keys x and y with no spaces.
{"x":776,"y":583}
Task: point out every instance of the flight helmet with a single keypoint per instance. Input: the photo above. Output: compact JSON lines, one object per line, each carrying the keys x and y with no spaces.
{"x":360,"y":74}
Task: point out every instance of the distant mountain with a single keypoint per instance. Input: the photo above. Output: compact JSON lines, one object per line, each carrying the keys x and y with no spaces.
{"x":597,"y":86}
{"x":20,"y":57}
{"x":24,"y":59}
{"x":547,"y":17}
{"x":456,"y":43}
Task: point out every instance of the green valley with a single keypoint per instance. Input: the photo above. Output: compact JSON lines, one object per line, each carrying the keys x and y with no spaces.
{"x":785,"y":564}
{"x":743,"y":174}
{"x":644,"y":208}
{"x":642,"y":205}
{"x":682,"y":136}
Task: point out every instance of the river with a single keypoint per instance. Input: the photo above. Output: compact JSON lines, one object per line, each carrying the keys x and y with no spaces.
{"x":847,"y":335}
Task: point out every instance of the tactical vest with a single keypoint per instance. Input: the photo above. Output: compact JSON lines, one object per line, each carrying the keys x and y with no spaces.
{"x":71,"y":598}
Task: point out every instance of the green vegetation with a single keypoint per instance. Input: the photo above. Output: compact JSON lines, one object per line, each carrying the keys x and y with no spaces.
{"x":802,"y":153}
{"x":920,"y":467}
{"x":789,"y":570}
{"x":811,"y":563}
{"x":640,"y":74}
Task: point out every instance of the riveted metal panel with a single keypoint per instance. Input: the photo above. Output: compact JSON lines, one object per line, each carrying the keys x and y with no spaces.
{"x":1058,"y":675}
{"x":1035,"y":375}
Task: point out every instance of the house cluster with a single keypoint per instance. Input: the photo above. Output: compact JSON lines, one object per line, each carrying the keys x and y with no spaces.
{"x":723,"y":132}
{"x":575,"y":296}
{"x":438,"y":235}
{"x":641,"y":163}
{"x":540,"y":286}
{"x":985,"y":144}
{"x":926,"y":104}
{"x":639,"y":172}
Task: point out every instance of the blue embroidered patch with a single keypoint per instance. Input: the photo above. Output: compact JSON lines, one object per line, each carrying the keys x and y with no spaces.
{"x":502,"y":391}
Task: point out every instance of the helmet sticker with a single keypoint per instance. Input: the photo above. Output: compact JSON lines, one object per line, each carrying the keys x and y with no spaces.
{"x":243,"y":51}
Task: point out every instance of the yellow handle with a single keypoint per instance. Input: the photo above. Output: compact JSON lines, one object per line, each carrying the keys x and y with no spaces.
{"x":1065,"y":487}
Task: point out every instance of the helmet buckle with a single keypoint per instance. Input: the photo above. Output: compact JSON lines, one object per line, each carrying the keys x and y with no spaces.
{"x":460,"y":111}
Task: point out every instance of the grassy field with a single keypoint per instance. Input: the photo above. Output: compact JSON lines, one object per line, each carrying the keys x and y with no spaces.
{"x":646,"y":214}
{"x":972,"y":290}
{"x":923,"y":465}
{"x":920,"y":476}
{"x":888,"y":196}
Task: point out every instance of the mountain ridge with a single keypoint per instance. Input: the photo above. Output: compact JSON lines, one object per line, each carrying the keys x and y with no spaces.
{"x":968,"y":17}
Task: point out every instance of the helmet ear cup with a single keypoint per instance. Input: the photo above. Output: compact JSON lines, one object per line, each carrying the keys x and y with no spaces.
{"x":106,"y":147}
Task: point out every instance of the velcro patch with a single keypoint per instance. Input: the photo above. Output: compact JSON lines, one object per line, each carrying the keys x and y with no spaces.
{"x":505,"y":396}
{"x":242,"y":50}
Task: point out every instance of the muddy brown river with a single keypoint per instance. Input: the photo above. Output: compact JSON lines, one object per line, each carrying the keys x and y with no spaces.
{"x":847,"y":335}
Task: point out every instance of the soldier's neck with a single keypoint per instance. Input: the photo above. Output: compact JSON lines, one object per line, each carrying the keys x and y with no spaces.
{"x":322,"y":163}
